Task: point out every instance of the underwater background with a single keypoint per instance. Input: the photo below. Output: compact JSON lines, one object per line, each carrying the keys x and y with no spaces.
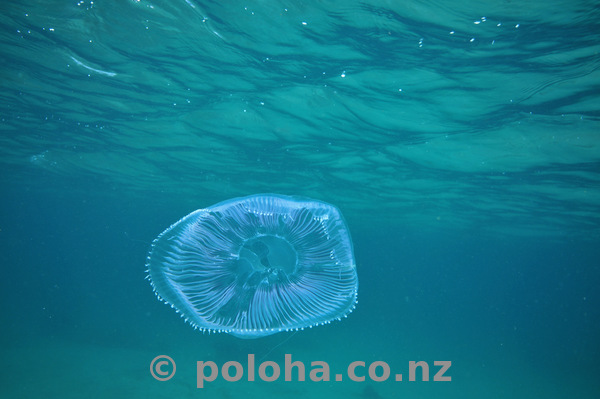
{"x":460,"y":140}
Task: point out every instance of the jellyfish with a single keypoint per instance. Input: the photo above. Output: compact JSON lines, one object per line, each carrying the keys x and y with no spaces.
{"x":256,"y":266}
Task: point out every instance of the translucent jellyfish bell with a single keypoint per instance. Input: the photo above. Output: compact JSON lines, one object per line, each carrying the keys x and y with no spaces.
{"x":257,"y":265}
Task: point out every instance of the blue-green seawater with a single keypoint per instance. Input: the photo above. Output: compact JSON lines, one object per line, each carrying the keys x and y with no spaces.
{"x":461,"y":141}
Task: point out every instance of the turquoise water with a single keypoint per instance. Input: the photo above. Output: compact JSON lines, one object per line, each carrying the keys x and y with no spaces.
{"x":461,"y":142}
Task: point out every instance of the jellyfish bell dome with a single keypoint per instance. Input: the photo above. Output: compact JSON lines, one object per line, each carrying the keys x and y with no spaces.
{"x":257,"y":265}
